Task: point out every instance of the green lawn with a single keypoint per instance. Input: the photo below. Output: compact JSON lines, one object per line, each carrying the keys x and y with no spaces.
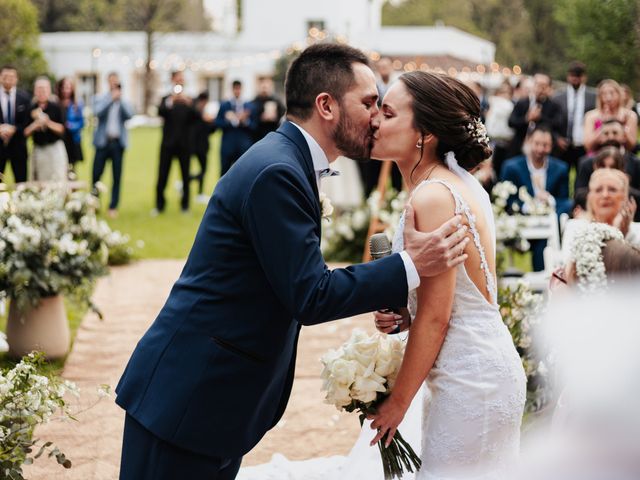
{"x":171,"y":234}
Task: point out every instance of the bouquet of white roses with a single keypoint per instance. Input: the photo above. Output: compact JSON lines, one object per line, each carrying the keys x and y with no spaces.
{"x":358,"y":377}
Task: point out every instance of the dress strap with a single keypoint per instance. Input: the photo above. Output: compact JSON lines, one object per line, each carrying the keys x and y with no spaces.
{"x":462,"y":207}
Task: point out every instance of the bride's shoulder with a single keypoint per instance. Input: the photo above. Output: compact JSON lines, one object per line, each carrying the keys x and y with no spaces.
{"x":433,"y":204}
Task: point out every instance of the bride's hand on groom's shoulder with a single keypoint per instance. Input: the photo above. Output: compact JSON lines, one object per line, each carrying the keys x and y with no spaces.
{"x":435,"y":252}
{"x":388,"y":322}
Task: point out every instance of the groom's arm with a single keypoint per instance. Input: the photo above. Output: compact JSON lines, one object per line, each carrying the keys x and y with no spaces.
{"x":280,"y":216}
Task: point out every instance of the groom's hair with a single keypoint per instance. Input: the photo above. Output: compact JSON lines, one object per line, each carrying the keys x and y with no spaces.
{"x":323,"y":67}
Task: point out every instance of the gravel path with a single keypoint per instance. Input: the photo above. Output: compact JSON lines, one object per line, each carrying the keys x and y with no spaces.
{"x":130,"y":299}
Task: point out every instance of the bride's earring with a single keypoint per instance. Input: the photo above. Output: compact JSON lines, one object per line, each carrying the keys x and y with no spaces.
{"x":419,"y":144}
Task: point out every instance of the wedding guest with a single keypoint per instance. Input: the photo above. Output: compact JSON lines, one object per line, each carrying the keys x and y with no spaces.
{"x":575,"y":100}
{"x":609,"y":156}
{"x":14,"y":117}
{"x":267,"y":108}
{"x":608,"y":202}
{"x":178,"y":113}
{"x":110,"y":138}
{"x":73,"y":120}
{"x":609,"y":106}
{"x":237,"y":121}
{"x":497,"y":123}
{"x":203,"y":127}
{"x":537,"y":109}
{"x":49,"y":161}
{"x":546,"y":178}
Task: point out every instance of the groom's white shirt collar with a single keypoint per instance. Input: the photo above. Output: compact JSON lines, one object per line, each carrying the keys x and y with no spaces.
{"x":318,"y":157}
{"x":321,"y":164}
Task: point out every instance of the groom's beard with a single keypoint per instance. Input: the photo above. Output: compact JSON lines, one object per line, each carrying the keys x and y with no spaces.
{"x":351,"y":141}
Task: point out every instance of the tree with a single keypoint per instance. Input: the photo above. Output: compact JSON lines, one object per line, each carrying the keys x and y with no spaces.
{"x":605,"y":35}
{"x":19,"y":39}
{"x":55,"y":15}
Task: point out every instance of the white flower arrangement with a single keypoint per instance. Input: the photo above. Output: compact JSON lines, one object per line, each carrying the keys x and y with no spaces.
{"x":358,"y":377}
{"x":521,"y":310}
{"x":28,"y":398}
{"x":51,"y":242}
{"x":586,"y":252}
{"x":533,"y":206}
{"x":508,"y":226}
{"x":343,"y":239}
{"x":478,"y":131}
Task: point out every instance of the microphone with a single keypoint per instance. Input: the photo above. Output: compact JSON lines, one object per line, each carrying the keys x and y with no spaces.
{"x":379,"y":247}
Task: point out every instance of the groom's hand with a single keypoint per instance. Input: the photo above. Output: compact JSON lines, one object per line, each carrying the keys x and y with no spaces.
{"x":435,"y":252}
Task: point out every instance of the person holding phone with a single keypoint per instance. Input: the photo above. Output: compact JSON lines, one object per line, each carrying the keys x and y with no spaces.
{"x":110,"y":138}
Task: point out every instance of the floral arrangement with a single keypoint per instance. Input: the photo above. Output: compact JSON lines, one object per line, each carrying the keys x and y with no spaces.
{"x":344,"y":237}
{"x":508,"y":227}
{"x":586,"y":252}
{"x":521,"y":310}
{"x":120,"y":249}
{"x":28,"y":398}
{"x":50,"y":243}
{"x":358,"y":377}
{"x":531,"y":205}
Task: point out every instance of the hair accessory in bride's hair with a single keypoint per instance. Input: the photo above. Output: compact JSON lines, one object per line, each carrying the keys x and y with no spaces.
{"x":478,"y":131}
{"x":586,"y":252}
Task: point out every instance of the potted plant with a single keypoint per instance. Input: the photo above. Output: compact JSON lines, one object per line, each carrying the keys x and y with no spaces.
{"x":51,"y":244}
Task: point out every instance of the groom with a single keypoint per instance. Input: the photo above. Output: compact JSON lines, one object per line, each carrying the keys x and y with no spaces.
{"x":214,"y":371}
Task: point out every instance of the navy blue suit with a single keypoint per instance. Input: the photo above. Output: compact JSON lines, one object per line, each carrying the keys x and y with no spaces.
{"x":214,"y":371}
{"x":515,"y":170}
{"x":236,"y":139}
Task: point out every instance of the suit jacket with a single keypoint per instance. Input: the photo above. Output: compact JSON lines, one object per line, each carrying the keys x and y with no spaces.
{"x":561,"y":100}
{"x":515,"y":170}
{"x":551,"y":117}
{"x":235,"y":138}
{"x":214,"y":371}
{"x":178,"y":120}
{"x":101,"y":105}
{"x":17,"y":146}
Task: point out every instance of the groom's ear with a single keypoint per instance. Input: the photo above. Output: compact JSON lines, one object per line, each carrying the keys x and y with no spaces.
{"x":326,"y":106}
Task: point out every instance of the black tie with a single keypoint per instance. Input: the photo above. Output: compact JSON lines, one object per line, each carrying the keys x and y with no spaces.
{"x":9,"y":116}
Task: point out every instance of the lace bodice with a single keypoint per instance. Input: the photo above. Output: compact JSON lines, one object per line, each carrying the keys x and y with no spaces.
{"x":464,"y":284}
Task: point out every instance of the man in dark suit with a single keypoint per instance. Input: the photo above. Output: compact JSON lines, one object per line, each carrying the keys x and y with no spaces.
{"x":14,"y":117}
{"x":546,"y":179}
{"x":538,"y":109}
{"x":574,"y":102}
{"x":214,"y":371}
{"x":237,"y":121}
{"x":179,"y":115}
{"x":268,"y":110}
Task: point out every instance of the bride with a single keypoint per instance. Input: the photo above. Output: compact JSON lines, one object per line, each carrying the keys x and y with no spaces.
{"x":461,"y":374}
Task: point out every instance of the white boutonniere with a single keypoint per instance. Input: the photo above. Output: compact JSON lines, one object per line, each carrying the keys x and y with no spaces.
{"x":325,"y":206}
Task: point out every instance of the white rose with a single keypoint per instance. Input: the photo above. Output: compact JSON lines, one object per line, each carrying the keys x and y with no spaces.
{"x":366,"y":388}
{"x":338,"y":395}
{"x":344,"y":371}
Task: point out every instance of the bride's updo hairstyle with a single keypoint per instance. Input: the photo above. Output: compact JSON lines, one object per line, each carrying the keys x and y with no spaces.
{"x":448,"y":109}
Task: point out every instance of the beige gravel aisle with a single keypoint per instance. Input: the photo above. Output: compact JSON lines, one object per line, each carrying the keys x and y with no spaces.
{"x":130,"y":299}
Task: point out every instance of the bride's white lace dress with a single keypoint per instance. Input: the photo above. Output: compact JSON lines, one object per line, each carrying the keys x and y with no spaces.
{"x":466,"y":419}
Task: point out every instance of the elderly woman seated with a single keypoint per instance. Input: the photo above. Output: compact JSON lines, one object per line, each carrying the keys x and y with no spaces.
{"x":608,"y":202}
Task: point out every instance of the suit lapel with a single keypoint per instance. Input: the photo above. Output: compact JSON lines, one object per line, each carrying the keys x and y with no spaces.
{"x":526,"y":175}
{"x":304,"y":157}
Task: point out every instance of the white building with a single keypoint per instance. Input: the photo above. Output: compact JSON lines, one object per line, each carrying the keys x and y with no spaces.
{"x":269,"y":29}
